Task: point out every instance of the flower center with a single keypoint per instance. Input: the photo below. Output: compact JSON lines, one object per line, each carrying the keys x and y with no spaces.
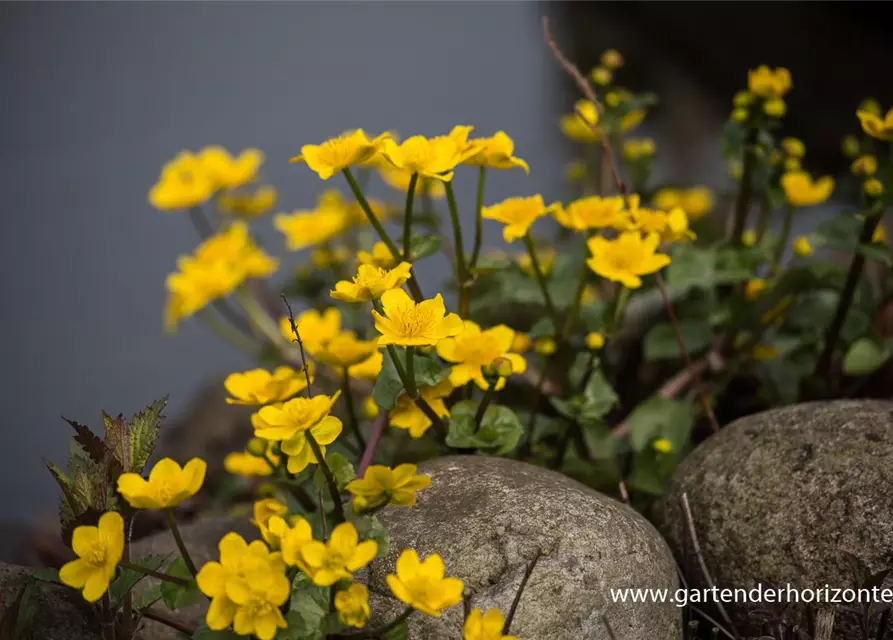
{"x":258,"y":607}
{"x":97,"y":554}
{"x":480,"y":351}
{"x":167,"y":489}
{"x":414,"y":322}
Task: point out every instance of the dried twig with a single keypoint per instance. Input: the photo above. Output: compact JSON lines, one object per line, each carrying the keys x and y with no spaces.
{"x":169,"y":620}
{"x":527,"y":571}
{"x":608,"y":627}
{"x":378,"y":427}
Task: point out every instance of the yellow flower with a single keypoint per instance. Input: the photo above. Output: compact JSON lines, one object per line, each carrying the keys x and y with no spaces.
{"x":369,"y":407}
{"x":521,"y":342}
{"x":632,"y":120}
{"x":183,"y":183}
{"x":871,"y":106}
{"x":291,"y":421}
{"x":517,"y":214}
{"x":345,"y":350}
{"x":292,"y":540}
{"x":248,"y":205}
{"x":227,"y":171}
{"x":433,"y":158}
{"x":638,"y":148}
{"x":873,"y":187}
{"x":696,"y":202}
{"x":592,"y":212}
{"x":473,"y":349}
{"x":381,"y":485}
{"x":802,"y":247}
{"x":763,"y":352}
{"x":801,"y":191}
{"x":768,"y":83}
{"x":408,"y":324}
{"x":739,"y":115}
{"x":323,"y":257}
{"x":98,"y":551}
{"x":168,"y":484}
{"x":611,"y":59}
{"x":602,"y":76}
{"x":246,"y":588}
{"x":850,"y":146}
{"x":671,"y":227}
{"x":368,"y":369}
{"x":875,"y":126}
{"x":307,"y":228}
{"x":792,"y":164}
{"x":380,"y":256}
{"x":422,"y":585}
{"x":485,"y":626}
{"x":794,"y":147}
{"x":259,"y":386}
{"x":864,"y":165}
{"x":399,"y":179}
{"x":625,"y":259}
{"x":371,"y":282}
{"x":662,"y":445}
{"x":545,"y":258}
{"x":339,"y":557}
{"x":407,"y":415}
{"x":496,"y":153}
{"x":545,"y":346}
{"x":339,"y":153}
{"x":352,"y":605}
{"x":879,"y":235}
{"x":749,"y":238}
{"x":775,"y":107}
{"x":742,"y":99}
{"x":595,"y":340}
{"x":315,"y":328}
{"x":248,"y":465}
{"x":754,"y":288}
{"x":580,"y":126}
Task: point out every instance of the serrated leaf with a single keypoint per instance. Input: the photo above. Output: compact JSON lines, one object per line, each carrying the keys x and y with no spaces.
{"x":864,"y":356}
{"x":69,"y":505}
{"x":499,"y":431}
{"x":428,"y":372}
{"x":147,"y":597}
{"x":176,"y":596}
{"x":341,"y":469}
{"x":661,"y":343}
{"x":89,"y":441}
{"x":422,"y":246}
{"x":144,"y":428}
{"x":117,"y":441}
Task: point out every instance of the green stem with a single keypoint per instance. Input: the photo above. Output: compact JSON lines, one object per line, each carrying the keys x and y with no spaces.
{"x":260,"y":319}
{"x":352,"y":411}
{"x":159,"y":575}
{"x":619,"y":306}
{"x":527,"y":447}
{"x":478,"y":219}
{"x":407,"y":217}
{"x":461,"y":269}
{"x":175,"y":530}
{"x":763,"y":220}
{"x":540,"y":278}
{"x":227,"y":332}
{"x":411,"y":389}
{"x":330,"y":479}
{"x":200,"y":222}
{"x":168,"y":620}
{"x":783,"y":238}
{"x":742,"y":203}
{"x":482,"y":407}
{"x":577,"y":302}
{"x":297,"y":491}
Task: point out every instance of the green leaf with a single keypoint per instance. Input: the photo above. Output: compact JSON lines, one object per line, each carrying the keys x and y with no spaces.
{"x":422,"y":246}
{"x":692,"y":267}
{"x":428,"y":372}
{"x":542,"y":328}
{"x":46,"y":574}
{"x":128,"y":578}
{"x":144,"y":427}
{"x":308,"y":609}
{"x":147,"y":597}
{"x":840,"y":232}
{"x":864,"y":356}
{"x":878,"y":252}
{"x":491,"y":264}
{"x":660,"y":342}
{"x":341,"y":469}
{"x":651,"y":472}
{"x":370,"y":528}
{"x":659,"y":417}
{"x":400,"y":632}
{"x":598,"y":397}
{"x":176,"y":596}
{"x":499,"y":432}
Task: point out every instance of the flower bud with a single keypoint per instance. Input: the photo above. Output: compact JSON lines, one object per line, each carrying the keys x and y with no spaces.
{"x":257,"y":447}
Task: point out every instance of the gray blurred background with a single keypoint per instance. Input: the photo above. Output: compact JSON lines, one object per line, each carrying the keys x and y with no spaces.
{"x":96,"y":96}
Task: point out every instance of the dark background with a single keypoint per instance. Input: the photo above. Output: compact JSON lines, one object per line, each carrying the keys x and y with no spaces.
{"x":96,"y":96}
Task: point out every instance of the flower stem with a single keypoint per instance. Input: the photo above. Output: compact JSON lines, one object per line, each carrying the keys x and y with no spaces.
{"x":763,"y":219}
{"x":373,"y":220}
{"x":742,"y":203}
{"x":168,"y":620}
{"x":352,"y":411}
{"x":298,"y":492}
{"x":478,"y":219}
{"x":160,"y":575}
{"x":619,"y":306}
{"x":783,"y":238}
{"x":482,"y":407}
{"x":200,"y":222}
{"x":330,"y":479}
{"x":227,"y":331}
{"x":260,"y":319}
{"x":577,"y":302}
{"x":407,"y":216}
{"x":411,"y":387}
{"x":461,"y":268}
{"x":175,"y":530}
{"x":294,"y":329}
{"x":540,"y":278}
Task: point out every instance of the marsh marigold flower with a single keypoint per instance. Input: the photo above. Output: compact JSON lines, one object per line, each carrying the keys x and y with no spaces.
{"x":248,"y":465}
{"x":873,"y":187}
{"x":247,"y":587}
{"x":545,"y":259}
{"x":260,"y":387}
{"x":371,"y":282}
{"x":775,"y":107}
{"x":346,"y":350}
{"x":250,"y":204}
{"x":227,"y":171}
{"x":291,"y":421}
{"x":638,"y":148}
{"x":662,"y":445}
{"x":308,"y":228}
{"x":802,"y":246}
{"x":408,"y":323}
{"x":485,"y":626}
{"x":398,"y":179}
{"x":352,"y":605}
{"x":802,"y":191}
{"x":368,"y":369}
{"x":183,"y":184}
{"x":580,"y":126}
{"x":875,"y":126}
{"x":753,"y":289}
{"x":769,"y":83}
{"x":382,"y":485}
{"x":339,"y":153}
{"x":168,"y":484}
{"x":517,"y":214}
{"x":696,"y":202}
{"x":315,"y":328}
{"x":864,"y":165}
{"x":794,"y":147}
{"x":627,"y":258}
{"x":496,"y":153}
{"x":292,"y":539}
{"x":338,"y":558}
{"x":749,"y":238}
{"x":472,"y":350}
{"x":521,"y":343}
{"x":379,"y":256}
{"x":407,"y":415}
{"x":99,"y":550}
{"x":595,"y":340}
{"x":592,"y":212}
{"x":422,"y":585}
{"x":434,"y":158}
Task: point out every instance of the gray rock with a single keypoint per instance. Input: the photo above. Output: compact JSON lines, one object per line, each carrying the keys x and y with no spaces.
{"x":488,"y":517}
{"x":778,"y":497}
{"x":201,"y":539}
{"x":62,"y":614}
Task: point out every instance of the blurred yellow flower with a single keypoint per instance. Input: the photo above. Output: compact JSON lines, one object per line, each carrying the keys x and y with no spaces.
{"x":352,"y":605}
{"x":611,"y":59}
{"x":740,"y":115}
{"x":183,"y":184}
{"x":249,"y":204}
{"x":248,"y":465}
{"x":627,"y":258}
{"x":380,"y":256}
{"x":473,"y":349}
{"x":775,"y":107}
{"x":792,"y":164}
{"x":595,"y":340}
{"x":580,"y":126}
{"x":408,"y":323}
{"x":769,"y":83}
{"x":696,"y":202}
{"x":850,"y":146}
{"x":371,"y":282}
{"x":794,"y":147}
{"x":338,"y":558}
{"x":434,"y":158}
{"x":517,"y":214}
{"x":382,"y":485}
{"x":98,"y":550}
{"x":801,"y":191}
{"x":592,"y":212}
{"x":345,"y":350}
{"x":324,"y":256}
{"x":802,"y":246}
{"x":398,"y":179}
{"x":873,"y":187}
{"x":602,"y":76}
{"x":407,"y":415}
{"x":422,"y":585}
{"x":875,"y":126}
{"x":368,"y":369}
{"x":521,"y":342}
{"x":315,"y":328}
{"x":544,"y":257}
{"x":168,"y":484}
{"x":485,"y":626}
{"x":864,"y":165}
{"x":880,"y":234}
{"x":662,"y":445}
{"x":753,"y":289}
{"x":307,"y":228}
{"x":496,"y":153}
{"x":369,"y":407}
{"x":742,"y":99}
{"x":545,"y":346}
{"x":638,"y":148}
{"x":339,"y":153}
{"x":260,"y":387}
{"x":227,"y":171}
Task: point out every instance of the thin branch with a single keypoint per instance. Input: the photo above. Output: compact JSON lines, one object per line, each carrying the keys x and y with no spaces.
{"x":169,"y":620}
{"x":378,"y":427}
{"x":294,"y":329}
{"x":527,"y":571}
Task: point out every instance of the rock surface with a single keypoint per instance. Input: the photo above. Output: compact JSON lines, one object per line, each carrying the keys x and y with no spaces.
{"x":779,"y":496}
{"x":201,"y":540}
{"x":62,"y":614}
{"x":488,"y":517}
